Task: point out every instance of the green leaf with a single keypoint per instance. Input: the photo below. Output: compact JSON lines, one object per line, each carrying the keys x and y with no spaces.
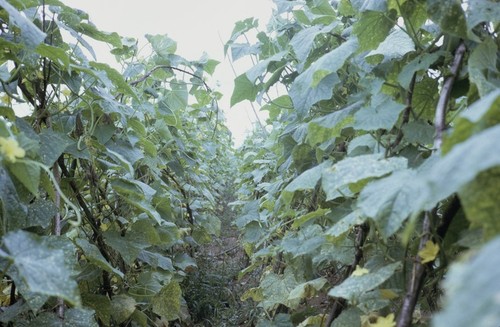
{"x":425,"y":97}
{"x":259,"y":69}
{"x":299,"y":221}
{"x":479,"y":11}
{"x":449,"y":15}
{"x":345,"y":224}
{"x":395,"y":46}
{"x":475,"y":278}
{"x":93,"y":255}
{"x":28,"y":174}
{"x":121,"y":85}
{"x":308,"y":289}
{"x":382,"y":114}
{"x":122,"y":307}
{"x":462,"y":164}
{"x":305,"y":181}
{"x":276,"y":289}
{"x":41,"y":212}
{"x":391,"y":200}
{"x":42,"y":265}
{"x":303,"y":42}
{"x":342,"y":176}
{"x":101,"y":304}
{"x":12,"y":207}
{"x":483,"y":69}
{"x":309,"y":87}
{"x":418,"y":132}
{"x":244,"y":89}
{"x":348,"y":318}
{"x":55,"y":54}
{"x":372,"y":28}
{"x":421,"y":62}
{"x":354,"y":287}
{"x":167,"y":303}
{"x":304,"y":241}
{"x":330,"y":126}
{"x":53,"y":145}
{"x":480,"y":202}
{"x":31,"y":35}
{"x":162,"y":44}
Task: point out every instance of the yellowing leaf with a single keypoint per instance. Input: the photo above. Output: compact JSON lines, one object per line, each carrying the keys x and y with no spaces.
{"x":11,"y":149}
{"x":388,"y":294}
{"x":360,"y":271}
{"x":429,"y":252}
{"x":384,"y":321}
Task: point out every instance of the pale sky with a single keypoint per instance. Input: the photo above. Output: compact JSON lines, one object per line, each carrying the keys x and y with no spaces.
{"x":197,"y":25}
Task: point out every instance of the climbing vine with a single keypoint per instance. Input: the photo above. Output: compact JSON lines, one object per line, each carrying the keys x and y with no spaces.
{"x":372,"y":201}
{"x":109,"y":178}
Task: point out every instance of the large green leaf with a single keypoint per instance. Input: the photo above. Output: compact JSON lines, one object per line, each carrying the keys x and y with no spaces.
{"x":167,"y":303}
{"x":480,"y":201}
{"x":93,"y":255}
{"x":395,"y":46}
{"x":317,"y":81}
{"x":479,"y":11}
{"x":244,"y":89}
{"x":42,"y":265}
{"x":304,"y":241}
{"x":483,"y":69}
{"x":12,"y":207}
{"x":277,"y":288}
{"x":162,"y":44}
{"x":391,"y":200}
{"x":475,"y":278}
{"x":449,"y":15}
{"x":28,"y":174}
{"x":344,"y":175}
{"x":305,"y":181}
{"x":31,"y":35}
{"x":122,"y":307}
{"x":372,"y":28}
{"x":53,"y":145}
{"x":383,"y":113}
{"x":329,"y":126}
{"x":302,"y":42}
{"x":354,"y":287}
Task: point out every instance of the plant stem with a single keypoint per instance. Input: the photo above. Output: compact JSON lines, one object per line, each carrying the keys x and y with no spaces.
{"x":444,"y":97}
{"x":416,"y":280}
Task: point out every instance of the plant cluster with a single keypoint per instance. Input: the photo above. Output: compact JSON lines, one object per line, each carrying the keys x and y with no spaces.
{"x":372,"y":197}
{"x":111,"y":180}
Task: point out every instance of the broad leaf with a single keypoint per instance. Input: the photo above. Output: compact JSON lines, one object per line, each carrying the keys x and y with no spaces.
{"x":382,"y":114}
{"x":355,"y":286}
{"x":449,"y":15}
{"x":42,"y":265}
{"x":167,"y":303}
{"x":317,"y":81}
{"x":31,"y":35}
{"x":372,"y":28}
{"x":345,"y":175}
{"x":475,"y":278}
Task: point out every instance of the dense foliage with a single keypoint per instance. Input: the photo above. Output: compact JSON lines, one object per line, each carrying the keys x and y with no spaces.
{"x":111,"y":180}
{"x":371,"y":199}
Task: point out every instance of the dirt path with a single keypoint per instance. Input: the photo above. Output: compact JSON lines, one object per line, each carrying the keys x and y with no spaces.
{"x":214,"y":290}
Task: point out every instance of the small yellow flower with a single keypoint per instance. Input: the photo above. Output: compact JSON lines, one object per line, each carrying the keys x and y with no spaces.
{"x":360,"y":271}
{"x":11,"y":149}
{"x":429,"y":252}
{"x":385,"y":321}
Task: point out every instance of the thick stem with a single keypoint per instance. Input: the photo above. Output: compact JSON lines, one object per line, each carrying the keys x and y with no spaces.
{"x":444,"y":97}
{"x":416,"y":280}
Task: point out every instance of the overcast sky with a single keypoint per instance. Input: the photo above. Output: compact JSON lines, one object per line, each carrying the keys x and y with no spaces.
{"x":197,"y":25}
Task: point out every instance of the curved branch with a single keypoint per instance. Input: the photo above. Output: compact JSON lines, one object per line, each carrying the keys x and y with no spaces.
{"x":444,"y":97}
